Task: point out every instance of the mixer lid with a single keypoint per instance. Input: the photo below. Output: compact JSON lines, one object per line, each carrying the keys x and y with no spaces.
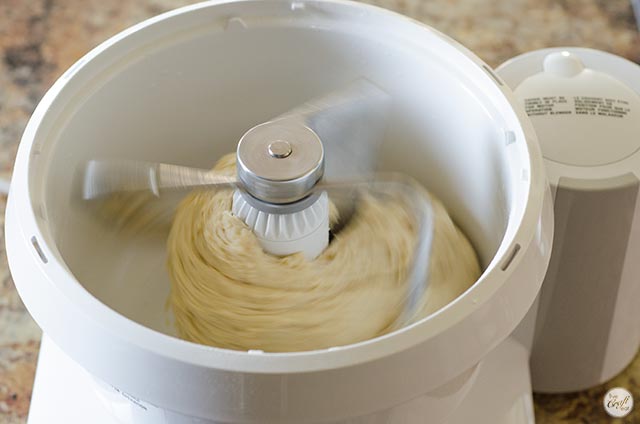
{"x":582,"y":105}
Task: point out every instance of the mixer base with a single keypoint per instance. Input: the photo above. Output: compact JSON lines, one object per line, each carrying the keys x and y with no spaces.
{"x":64,"y":393}
{"x":501,"y":393}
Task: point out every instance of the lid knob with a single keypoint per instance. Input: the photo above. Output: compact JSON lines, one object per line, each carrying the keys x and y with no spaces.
{"x":563,"y":64}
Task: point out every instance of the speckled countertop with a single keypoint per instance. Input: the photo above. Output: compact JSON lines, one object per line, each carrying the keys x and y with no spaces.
{"x":39,"y":39}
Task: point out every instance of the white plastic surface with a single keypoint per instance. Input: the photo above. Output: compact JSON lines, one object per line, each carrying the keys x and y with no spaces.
{"x":64,"y":393}
{"x":575,"y":109}
{"x":621,"y":71}
{"x":502,"y":392}
{"x":101,"y":296}
{"x":306,"y":231}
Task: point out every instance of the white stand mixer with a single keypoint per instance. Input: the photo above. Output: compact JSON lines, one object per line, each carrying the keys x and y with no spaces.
{"x":204,"y":73}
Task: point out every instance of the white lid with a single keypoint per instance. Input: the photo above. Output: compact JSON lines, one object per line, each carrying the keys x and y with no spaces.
{"x":582,"y":116}
{"x":585,"y":107}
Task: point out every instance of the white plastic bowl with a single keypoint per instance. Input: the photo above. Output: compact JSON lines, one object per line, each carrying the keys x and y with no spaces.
{"x":182,"y":88}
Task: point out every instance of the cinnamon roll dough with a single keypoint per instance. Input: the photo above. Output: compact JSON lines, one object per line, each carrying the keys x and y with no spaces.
{"x":227,"y":292}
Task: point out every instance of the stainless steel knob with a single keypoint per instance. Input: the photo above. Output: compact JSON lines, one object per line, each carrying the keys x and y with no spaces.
{"x":280,"y":161}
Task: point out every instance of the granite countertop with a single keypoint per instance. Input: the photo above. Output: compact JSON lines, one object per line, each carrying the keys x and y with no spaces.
{"x":39,"y":39}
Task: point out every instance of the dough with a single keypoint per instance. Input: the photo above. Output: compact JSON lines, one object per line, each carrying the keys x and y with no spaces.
{"x":227,"y":292}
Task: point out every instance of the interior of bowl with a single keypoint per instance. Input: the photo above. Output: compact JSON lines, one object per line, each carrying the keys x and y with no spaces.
{"x":185,"y":89}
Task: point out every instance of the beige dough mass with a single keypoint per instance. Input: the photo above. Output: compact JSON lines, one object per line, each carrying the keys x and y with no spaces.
{"x":227,"y":292}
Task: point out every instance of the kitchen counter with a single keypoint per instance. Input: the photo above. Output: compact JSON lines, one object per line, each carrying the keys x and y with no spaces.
{"x":39,"y":39}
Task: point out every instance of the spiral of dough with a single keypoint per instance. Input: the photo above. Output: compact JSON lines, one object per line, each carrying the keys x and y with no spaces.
{"x":227,"y":292}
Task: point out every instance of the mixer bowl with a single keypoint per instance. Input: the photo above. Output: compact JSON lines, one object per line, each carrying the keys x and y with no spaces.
{"x":182,"y":88}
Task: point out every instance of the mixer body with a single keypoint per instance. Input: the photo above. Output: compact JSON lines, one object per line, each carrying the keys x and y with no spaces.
{"x":100,"y":296}
{"x":587,"y":330}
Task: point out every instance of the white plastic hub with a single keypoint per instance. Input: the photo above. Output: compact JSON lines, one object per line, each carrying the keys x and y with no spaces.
{"x":306,"y":231}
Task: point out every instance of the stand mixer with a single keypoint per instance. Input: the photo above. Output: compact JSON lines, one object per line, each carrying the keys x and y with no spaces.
{"x":207,"y":72}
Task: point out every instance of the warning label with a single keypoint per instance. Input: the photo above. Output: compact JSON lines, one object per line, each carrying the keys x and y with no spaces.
{"x":551,"y":105}
{"x":579,"y":105}
{"x":601,"y":106}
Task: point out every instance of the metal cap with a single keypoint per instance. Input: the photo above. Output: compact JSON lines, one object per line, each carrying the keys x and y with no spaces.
{"x":280,"y":161}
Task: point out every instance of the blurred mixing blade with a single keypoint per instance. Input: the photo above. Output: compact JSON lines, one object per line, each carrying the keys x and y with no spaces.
{"x":351,"y":123}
